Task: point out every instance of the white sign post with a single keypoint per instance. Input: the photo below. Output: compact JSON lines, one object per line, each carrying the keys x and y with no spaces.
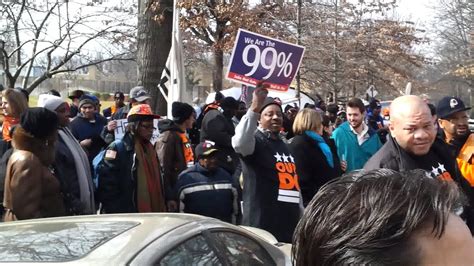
{"x":372,"y":92}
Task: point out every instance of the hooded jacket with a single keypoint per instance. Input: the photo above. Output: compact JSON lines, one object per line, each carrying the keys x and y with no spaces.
{"x":169,"y":147}
{"x":31,"y":189}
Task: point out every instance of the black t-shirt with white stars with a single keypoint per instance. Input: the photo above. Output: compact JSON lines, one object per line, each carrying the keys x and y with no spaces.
{"x":433,"y":164}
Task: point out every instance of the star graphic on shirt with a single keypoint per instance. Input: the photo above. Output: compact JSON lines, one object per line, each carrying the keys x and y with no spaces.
{"x":292,"y":159}
{"x":441,"y":168}
{"x":435,"y":171}
{"x":285,"y":158}
{"x":278,"y":157}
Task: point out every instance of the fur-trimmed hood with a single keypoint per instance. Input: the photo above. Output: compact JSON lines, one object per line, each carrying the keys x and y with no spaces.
{"x":44,"y":149}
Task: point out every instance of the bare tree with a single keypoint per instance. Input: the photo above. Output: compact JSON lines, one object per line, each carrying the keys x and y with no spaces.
{"x":452,"y":69}
{"x":455,"y":33}
{"x":51,"y":33}
{"x":155,"y":21}
{"x":353,"y":45}
{"x":215,"y":24}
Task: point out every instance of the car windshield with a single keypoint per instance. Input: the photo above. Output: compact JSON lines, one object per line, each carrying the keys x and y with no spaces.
{"x":56,"y":241}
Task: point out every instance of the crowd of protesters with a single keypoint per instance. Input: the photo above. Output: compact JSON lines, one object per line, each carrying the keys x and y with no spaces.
{"x":259,"y":166}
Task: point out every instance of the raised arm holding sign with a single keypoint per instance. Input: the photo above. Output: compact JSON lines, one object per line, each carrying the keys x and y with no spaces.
{"x":256,"y":57}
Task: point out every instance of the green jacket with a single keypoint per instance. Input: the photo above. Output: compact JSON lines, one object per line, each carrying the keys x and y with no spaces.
{"x":348,"y":147}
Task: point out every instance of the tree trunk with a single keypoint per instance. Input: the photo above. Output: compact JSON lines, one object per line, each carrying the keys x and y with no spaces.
{"x":218,"y":69}
{"x":10,"y":82}
{"x":154,"y":43}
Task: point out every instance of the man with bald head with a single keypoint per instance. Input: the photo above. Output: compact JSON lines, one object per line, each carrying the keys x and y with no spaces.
{"x":412,"y":142}
{"x":413,"y":145}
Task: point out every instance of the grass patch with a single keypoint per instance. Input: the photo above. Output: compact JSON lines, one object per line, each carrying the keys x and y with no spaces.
{"x":33,"y":102}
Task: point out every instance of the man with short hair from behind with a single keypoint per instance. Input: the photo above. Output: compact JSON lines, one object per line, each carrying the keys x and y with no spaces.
{"x":355,"y":141}
{"x":383,"y":217}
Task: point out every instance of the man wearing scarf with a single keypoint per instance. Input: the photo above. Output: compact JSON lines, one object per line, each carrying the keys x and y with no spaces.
{"x":129,"y":174}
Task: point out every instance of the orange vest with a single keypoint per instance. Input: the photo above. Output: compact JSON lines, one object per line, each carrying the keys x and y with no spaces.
{"x":8,"y":123}
{"x":464,"y":160}
{"x":187,"y":149}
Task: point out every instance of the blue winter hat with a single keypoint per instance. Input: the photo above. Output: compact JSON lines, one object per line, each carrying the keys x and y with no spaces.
{"x":88,"y":99}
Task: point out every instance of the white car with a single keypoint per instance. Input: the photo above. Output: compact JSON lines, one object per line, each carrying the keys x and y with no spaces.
{"x":137,"y":239}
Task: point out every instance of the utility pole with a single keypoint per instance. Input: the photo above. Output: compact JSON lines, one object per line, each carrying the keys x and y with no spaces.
{"x":2,"y":63}
{"x":335,"y":65}
{"x":298,"y":30}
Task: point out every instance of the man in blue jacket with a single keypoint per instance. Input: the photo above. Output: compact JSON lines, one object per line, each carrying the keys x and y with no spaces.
{"x":355,"y":141}
{"x":206,"y":188}
{"x":87,"y":125}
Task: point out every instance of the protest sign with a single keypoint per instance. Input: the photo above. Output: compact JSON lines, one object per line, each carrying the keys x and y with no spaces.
{"x":256,"y":57}
{"x":122,"y":126}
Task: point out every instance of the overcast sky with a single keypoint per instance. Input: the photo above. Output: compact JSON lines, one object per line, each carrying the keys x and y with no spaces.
{"x":419,"y":11}
{"x":422,"y":13}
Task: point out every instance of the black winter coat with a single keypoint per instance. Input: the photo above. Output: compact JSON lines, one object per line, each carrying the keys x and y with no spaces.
{"x":311,"y":165}
{"x":217,"y":128}
{"x":392,"y":156}
{"x":117,"y":181}
{"x":213,"y":194}
{"x":3,"y":171}
{"x":65,"y":170}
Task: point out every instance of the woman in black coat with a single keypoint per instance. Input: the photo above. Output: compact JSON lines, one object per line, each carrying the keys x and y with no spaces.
{"x":315,"y":158}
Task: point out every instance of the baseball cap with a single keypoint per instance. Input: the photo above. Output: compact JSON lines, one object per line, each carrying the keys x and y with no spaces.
{"x":140,"y":112}
{"x":76,"y":94}
{"x":449,"y":106}
{"x":139,"y":94}
{"x":205,"y":149}
{"x":119,"y":94}
{"x":269,"y":101}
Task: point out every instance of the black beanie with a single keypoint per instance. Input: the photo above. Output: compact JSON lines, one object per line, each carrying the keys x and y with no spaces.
{"x":269,"y":101}
{"x":229,"y":103}
{"x":39,"y":122}
{"x":181,"y":111}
